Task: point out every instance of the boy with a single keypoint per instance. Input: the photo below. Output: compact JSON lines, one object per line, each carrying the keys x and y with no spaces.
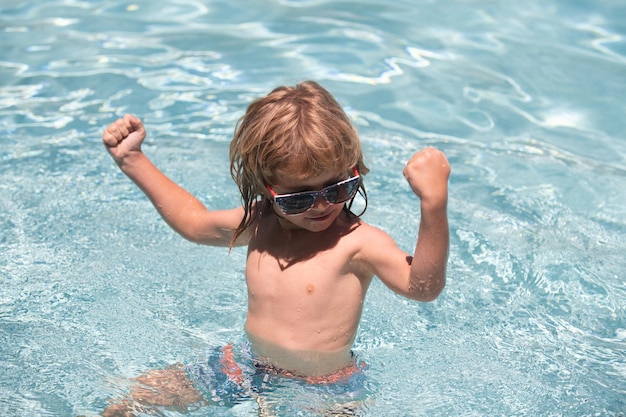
{"x":297,"y":161}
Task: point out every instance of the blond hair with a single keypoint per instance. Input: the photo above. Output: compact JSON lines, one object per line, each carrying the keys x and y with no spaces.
{"x":300,"y":132}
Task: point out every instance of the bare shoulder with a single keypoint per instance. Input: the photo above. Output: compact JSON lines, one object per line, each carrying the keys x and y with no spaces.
{"x":370,"y":239}
{"x":250,"y":219}
{"x":376,"y":251}
{"x":366,"y":230}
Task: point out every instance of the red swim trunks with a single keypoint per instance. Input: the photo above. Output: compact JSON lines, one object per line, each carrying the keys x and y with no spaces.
{"x":231,"y":375}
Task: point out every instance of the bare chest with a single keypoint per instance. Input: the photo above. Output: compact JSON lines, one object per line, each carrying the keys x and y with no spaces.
{"x":302,"y":272}
{"x":303,"y":280}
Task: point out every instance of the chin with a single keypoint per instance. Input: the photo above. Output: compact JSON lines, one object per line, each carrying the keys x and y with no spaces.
{"x":321,"y":223}
{"x":312,"y":223}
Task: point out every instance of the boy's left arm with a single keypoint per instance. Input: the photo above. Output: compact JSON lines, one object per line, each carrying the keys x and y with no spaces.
{"x":427,"y":173}
{"x":423,"y":276}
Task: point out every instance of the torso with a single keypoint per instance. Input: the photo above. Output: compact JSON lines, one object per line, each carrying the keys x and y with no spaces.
{"x":304,"y":299}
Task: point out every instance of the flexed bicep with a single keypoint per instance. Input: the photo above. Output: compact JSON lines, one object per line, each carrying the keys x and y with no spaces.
{"x":386,"y":260}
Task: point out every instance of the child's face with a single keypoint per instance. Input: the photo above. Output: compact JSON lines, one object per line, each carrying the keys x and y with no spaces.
{"x":322,"y":214}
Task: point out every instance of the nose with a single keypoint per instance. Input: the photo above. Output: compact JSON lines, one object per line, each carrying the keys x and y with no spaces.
{"x":320,"y":201}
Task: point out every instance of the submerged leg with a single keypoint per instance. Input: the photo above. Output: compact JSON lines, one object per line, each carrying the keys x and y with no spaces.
{"x":343,"y":410}
{"x":168,"y":387}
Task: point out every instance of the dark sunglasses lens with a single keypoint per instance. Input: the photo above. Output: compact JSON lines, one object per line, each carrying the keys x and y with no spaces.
{"x":295,"y":204}
{"x":335,"y":194}
{"x":342,"y":192}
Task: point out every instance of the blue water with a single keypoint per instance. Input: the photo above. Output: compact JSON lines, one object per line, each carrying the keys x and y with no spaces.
{"x":525,"y":98}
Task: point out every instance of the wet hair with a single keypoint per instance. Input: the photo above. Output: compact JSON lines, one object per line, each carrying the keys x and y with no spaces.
{"x":299,"y":132}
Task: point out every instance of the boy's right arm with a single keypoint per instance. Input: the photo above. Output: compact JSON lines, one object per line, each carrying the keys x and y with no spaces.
{"x":182,"y":211}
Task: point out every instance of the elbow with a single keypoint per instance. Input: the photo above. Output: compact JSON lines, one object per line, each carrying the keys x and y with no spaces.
{"x":427,"y":297}
{"x":188,"y":233}
{"x":211,"y":239}
{"x":429,"y":291}
{"x":190,"y":237}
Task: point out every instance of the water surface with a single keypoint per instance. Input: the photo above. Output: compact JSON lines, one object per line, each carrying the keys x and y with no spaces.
{"x":526,"y":100}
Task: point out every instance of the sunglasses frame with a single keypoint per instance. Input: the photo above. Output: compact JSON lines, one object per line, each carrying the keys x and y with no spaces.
{"x":315,"y":194}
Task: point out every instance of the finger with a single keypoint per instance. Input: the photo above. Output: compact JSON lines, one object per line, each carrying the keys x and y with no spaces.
{"x":123,"y":128}
{"x":113,"y":133}
{"x":131,"y":121}
{"x":109,"y":139}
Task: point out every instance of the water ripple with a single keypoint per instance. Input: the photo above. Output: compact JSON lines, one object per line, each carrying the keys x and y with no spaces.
{"x":525,"y":99}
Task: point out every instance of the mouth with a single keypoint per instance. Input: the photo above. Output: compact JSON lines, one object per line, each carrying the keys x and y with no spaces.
{"x":320,"y":217}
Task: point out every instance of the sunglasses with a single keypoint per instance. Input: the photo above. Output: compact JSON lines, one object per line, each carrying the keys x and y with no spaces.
{"x":296,"y":203}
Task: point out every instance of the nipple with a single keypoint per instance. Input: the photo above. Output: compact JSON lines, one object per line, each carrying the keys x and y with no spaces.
{"x":310,"y":289}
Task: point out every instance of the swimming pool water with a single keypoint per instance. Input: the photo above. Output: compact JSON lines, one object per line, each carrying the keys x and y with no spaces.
{"x":525,"y":98}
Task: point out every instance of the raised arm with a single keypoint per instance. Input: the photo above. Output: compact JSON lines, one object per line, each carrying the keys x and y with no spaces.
{"x":421,"y":277}
{"x":182,"y":211}
{"x":427,"y":173}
